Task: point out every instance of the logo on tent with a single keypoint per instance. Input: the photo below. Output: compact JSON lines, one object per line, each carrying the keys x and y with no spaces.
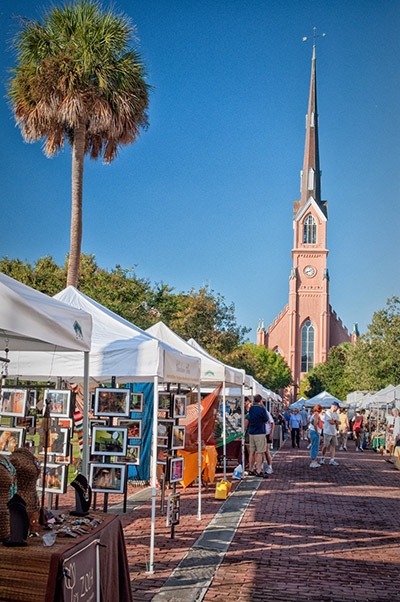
{"x":78,"y":330}
{"x":209,"y":373}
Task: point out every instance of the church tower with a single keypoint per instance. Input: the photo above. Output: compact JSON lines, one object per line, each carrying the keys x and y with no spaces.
{"x":306,"y":329}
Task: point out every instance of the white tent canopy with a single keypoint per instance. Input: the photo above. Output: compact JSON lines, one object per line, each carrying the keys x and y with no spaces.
{"x":119,"y":349}
{"x":325,"y":399}
{"x":212,"y":370}
{"x":32,"y":321}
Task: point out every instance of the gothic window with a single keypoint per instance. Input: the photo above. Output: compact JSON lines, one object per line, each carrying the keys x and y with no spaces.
{"x":307,"y":347}
{"x":310,"y":230}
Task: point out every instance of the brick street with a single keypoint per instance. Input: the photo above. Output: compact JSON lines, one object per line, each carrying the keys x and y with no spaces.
{"x":329,"y":535}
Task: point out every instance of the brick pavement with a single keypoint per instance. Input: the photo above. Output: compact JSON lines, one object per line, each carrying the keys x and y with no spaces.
{"x":329,"y":535}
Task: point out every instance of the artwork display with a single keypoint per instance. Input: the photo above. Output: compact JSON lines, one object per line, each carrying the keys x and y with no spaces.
{"x":28,"y":423}
{"x":134,"y":428}
{"x":178,"y":437}
{"x":180,"y":406}
{"x":162,"y":456}
{"x":32,"y":399}
{"x":107,"y":478}
{"x":173,"y":509}
{"x":162,"y":442}
{"x":136,"y":403}
{"x":97,"y":422}
{"x":66,"y":423}
{"x":164,"y":401}
{"x":55,"y":480}
{"x":59,"y":401}
{"x":10,"y":439}
{"x":132,"y":455}
{"x":13,"y":402}
{"x":109,"y":441}
{"x":164,"y":428}
{"x":58,"y":442}
{"x":176,"y":470}
{"x":112,"y":402}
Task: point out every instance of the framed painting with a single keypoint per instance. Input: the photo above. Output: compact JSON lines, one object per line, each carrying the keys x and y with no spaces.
{"x":164,"y":427}
{"x":178,"y":437}
{"x":58,"y":443}
{"x":107,"y":478}
{"x":164,"y":401}
{"x":109,"y":441}
{"x":132,"y":455}
{"x":176,"y":470}
{"x":179,"y":406}
{"x":28,"y":423}
{"x":112,"y":402}
{"x":13,"y":402}
{"x":134,"y":427}
{"x":55,"y":479}
{"x":162,"y":456}
{"x":32,"y":399}
{"x":136,"y":402}
{"x":59,"y":401}
{"x":10,"y":439}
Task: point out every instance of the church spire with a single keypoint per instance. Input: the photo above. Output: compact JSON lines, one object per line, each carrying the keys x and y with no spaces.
{"x":311,"y":177}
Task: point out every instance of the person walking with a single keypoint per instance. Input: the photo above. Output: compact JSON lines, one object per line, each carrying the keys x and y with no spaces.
{"x":269,"y":433}
{"x":304,"y":420}
{"x":255,"y":422}
{"x":344,"y":428}
{"x":331,"y":421}
{"x":315,"y":431}
{"x":358,"y":430}
{"x":295,"y":424}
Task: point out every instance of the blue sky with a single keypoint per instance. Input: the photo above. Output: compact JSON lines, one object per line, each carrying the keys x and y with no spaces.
{"x":206,"y":194}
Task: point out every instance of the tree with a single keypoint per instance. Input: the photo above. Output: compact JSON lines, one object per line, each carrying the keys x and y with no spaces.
{"x":76,"y":78}
{"x":330,"y":376}
{"x":267,"y":367}
{"x":375,"y":360}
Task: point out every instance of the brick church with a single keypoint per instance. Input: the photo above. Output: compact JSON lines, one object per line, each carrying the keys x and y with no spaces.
{"x":307,"y":327}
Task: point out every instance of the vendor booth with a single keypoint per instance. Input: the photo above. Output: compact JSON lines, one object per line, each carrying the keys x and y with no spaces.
{"x":120,"y":352}
{"x":213,"y":372}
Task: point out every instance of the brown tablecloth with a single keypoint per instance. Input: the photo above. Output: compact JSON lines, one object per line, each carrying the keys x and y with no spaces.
{"x":35,"y":573}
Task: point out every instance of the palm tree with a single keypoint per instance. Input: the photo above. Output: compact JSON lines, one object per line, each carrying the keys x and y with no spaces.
{"x":77,"y":78}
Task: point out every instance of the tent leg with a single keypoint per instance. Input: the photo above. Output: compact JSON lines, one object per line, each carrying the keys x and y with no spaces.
{"x":243,"y":433}
{"x":85,"y":434}
{"x":224,"y":428}
{"x":153,"y":476}
{"x":199,"y":450}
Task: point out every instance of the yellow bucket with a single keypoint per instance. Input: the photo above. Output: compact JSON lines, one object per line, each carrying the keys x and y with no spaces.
{"x":222,"y":489}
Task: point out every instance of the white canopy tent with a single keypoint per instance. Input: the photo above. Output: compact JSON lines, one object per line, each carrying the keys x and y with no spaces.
{"x":325,"y":399}
{"x":212,"y":370}
{"x":120,"y":350}
{"x":32,"y":323}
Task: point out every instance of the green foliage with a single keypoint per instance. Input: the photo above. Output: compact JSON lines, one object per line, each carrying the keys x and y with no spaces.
{"x":267,"y":367}
{"x":76,"y":66}
{"x":375,"y":359}
{"x":330,"y":376}
{"x":200,"y":314}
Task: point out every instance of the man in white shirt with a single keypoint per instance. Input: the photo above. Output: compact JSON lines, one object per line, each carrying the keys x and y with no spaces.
{"x":269,"y":432}
{"x":331,"y":421}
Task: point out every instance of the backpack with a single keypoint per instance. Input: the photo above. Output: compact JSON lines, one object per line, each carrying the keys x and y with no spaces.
{"x":357,"y":425}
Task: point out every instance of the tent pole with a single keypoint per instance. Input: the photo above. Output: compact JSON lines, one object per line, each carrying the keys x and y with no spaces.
{"x":153,"y":476}
{"x":243,"y":433}
{"x":224,"y":427}
{"x":85,"y":434}
{"x":199,"y":449}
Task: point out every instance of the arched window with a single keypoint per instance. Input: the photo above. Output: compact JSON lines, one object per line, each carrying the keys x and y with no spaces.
{"x":310,"y":230}
{"x":307,"y":347}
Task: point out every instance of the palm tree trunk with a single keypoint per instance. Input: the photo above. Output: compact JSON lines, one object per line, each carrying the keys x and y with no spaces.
{"x":78,"y":155}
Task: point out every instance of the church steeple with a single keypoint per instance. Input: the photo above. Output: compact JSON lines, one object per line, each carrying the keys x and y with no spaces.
{"x":311,"y":176}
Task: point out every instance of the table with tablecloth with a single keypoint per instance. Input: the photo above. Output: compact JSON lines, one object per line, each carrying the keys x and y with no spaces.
{"x":68,"y":569}
{"x":191,"y":465}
